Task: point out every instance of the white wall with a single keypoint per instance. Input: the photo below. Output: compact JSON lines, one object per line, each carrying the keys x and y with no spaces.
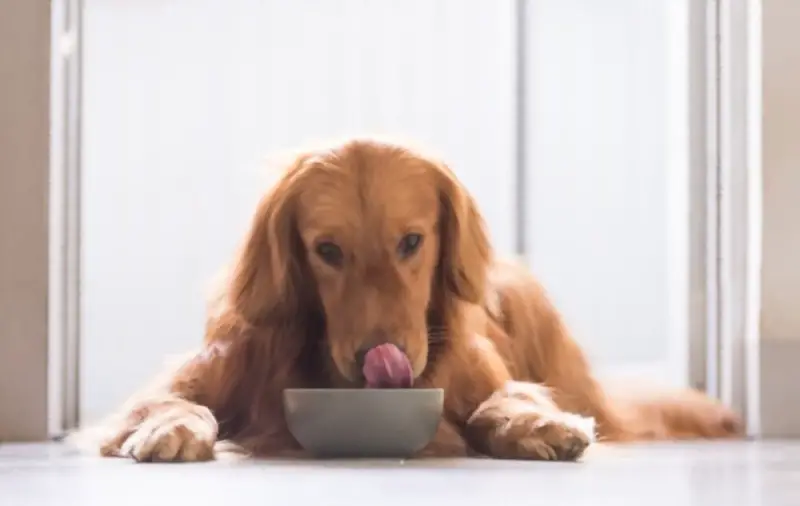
{"x":607,"y":219}
{"x":183,"y":99}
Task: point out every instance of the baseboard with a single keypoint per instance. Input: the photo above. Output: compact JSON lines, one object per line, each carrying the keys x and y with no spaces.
{"x":780,"y":388}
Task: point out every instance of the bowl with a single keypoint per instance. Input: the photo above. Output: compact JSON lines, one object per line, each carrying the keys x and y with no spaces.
{"x":363,"y":423}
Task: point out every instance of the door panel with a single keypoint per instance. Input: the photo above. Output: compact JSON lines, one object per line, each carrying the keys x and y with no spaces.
{"x":607,"y":178}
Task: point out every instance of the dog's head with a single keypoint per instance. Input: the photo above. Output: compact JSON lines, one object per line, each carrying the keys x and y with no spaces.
{"x":373,"y":240}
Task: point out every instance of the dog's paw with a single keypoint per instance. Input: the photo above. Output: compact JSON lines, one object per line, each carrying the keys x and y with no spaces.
{"x":532,"y":436}
{"x":521,"y":421}
{"x":174,"y":432}
{"x":715,"y":421}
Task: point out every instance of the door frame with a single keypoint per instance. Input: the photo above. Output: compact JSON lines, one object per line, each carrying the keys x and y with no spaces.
{"x":64,"y":292}
{"x":734,"y":131}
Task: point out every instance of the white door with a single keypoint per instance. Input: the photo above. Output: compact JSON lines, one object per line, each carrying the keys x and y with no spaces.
{"x":182,"y":101}
{"x":607,"y":177}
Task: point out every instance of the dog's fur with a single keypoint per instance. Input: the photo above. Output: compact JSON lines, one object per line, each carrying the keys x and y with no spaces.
{"x":516,"y":384}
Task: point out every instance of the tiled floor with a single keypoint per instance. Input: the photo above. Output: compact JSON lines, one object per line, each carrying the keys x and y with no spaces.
{"x":706,"y":474}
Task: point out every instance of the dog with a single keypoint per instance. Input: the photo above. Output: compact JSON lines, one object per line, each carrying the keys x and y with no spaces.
{"x":368,"y":265}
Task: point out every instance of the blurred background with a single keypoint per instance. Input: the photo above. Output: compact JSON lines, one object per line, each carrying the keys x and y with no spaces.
{"x":595,"y":135}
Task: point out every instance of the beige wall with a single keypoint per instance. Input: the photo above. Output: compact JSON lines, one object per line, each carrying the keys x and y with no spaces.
{"x":780,"y":318}
{"x":781,"y":163}
{"x":24,"y":146}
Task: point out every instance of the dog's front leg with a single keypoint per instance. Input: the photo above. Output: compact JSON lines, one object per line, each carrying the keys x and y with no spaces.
{"x":502,"y":418}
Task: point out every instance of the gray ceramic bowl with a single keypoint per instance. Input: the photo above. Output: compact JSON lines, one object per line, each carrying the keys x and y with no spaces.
{"x":363,"y":423}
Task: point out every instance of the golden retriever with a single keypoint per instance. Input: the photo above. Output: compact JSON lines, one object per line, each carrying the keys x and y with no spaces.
{"x":368,"y":265}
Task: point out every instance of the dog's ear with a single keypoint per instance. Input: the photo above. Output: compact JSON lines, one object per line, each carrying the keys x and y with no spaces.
{"x":464,"y":252}
{"x":268,"y":277}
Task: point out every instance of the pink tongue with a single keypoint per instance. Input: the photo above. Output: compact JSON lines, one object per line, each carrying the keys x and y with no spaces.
{"x":385,"y":366}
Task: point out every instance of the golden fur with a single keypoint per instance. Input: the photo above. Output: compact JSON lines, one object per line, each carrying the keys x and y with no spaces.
{"x":324,"y":273}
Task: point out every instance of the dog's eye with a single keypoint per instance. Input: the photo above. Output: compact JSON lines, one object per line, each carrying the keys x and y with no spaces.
{"x":409,"y":245}
{"x":330,"y":253}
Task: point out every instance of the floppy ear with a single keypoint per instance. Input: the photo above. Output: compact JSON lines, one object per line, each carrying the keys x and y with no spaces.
{"x":268,"y":277}
{"x":465,"y":252}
